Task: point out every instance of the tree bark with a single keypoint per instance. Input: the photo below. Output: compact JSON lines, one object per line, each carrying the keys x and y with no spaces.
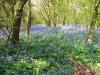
{"x":89,"y":38}
{"x":17,"y":21}
{"x":55,"y":18}
{"x":49,"y":23}
{"x":29,"y":18}
{"x":64,"y":21}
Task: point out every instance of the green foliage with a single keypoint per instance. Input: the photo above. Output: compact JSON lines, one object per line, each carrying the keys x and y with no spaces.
{"x":40,"y":53}
{"x":41,"y":65}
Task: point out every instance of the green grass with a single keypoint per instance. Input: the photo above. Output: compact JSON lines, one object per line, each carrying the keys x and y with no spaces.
{"x":38,"y":54}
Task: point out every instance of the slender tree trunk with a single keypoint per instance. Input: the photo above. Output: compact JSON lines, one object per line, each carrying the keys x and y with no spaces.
{"x":49,"y":23}
{"x":64,"y":20}
{"x":89,"y":38}
{"x":55,"y":18}
{"x":54,"y":22}
{"x":48,"y":14}
{"x":29,"y":18}
{"x":17,"y":21}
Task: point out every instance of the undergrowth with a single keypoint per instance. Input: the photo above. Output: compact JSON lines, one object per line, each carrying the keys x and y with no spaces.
{"x":48,"y":53}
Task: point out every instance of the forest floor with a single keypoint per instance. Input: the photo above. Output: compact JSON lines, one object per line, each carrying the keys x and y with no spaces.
{"x":47,"y":51}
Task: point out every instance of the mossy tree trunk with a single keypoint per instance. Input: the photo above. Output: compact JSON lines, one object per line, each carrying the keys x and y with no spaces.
{"x":89,"y":38}
{"x":17,"y":21}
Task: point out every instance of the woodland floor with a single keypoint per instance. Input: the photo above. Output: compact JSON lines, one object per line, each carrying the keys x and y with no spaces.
{"x":47,"y":51}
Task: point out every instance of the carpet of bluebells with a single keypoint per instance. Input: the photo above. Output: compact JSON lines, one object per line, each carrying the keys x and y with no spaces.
{"x":47,"y":51}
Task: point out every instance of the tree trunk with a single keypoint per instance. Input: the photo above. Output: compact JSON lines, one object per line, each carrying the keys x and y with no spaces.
{"x":29,"y":18}
{"x":64,"y":20}
{"x":17,"y":21}
{"x":89,"y":38}
{"x":55,"y":18}
{"x":49,"y":23}
{"x":54,"y":22}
